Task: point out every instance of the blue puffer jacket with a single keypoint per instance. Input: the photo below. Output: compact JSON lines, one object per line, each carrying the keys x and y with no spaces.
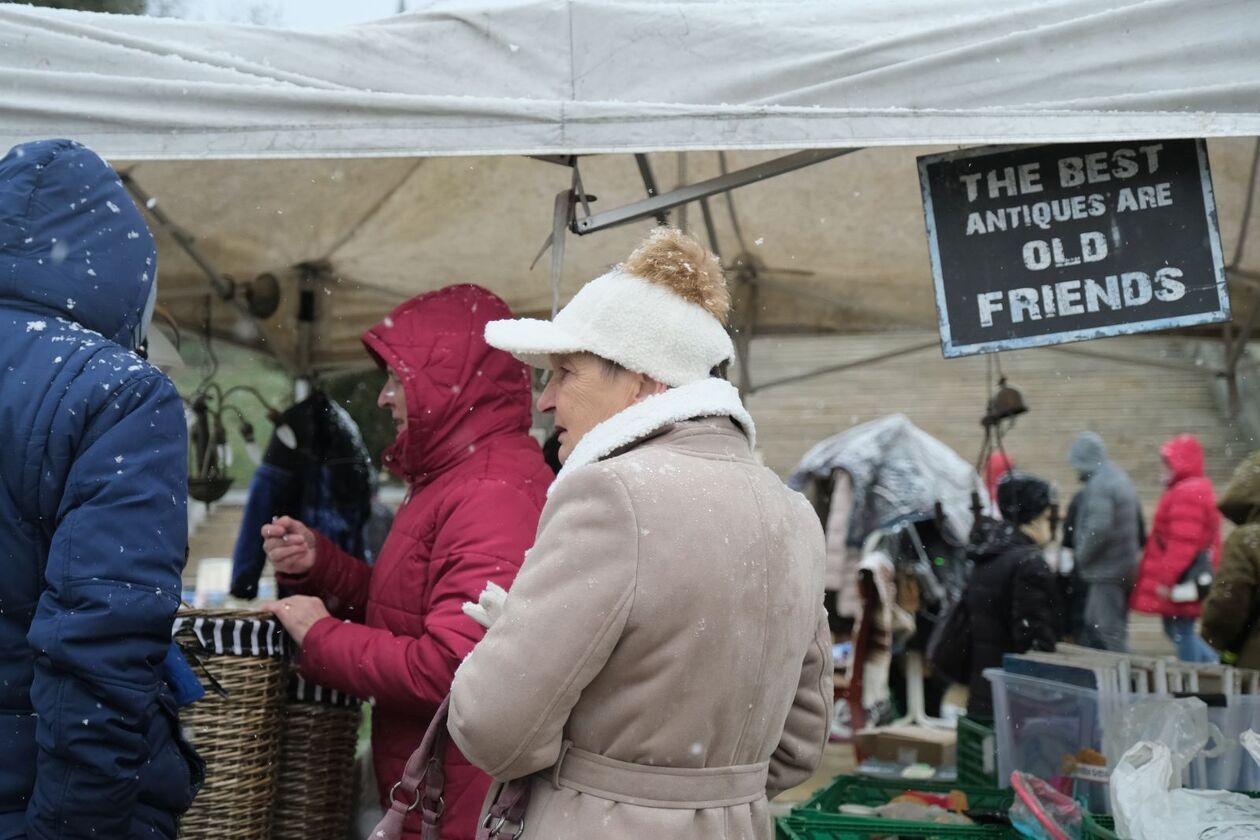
{"x":93,"y":476}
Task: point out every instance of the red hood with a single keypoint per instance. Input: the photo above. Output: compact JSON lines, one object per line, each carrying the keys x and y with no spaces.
{"x":1184,"y":457}
{"x":460,"y":391}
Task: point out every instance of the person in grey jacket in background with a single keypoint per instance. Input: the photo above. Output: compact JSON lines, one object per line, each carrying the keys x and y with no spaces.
{"x":1107,"y":543}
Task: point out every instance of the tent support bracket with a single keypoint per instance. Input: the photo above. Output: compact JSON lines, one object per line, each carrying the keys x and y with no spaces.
{"x":649,"y":184}
{"x":659,"y":204}
{"x":745,"y":332}
{"x":223,"y":286}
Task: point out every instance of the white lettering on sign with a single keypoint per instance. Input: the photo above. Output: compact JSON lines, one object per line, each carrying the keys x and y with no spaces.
{"x":1040,"y":255}
{"x":1055,"y":243}
{"x":1077,"y":297}
{"x":1073,"y":170}
{"x":1144,"y":198}
{"x":1011,"y":180}
{"x":1024,"y":305}
{"x":1068,"y":296}
{"x":990,"y":302}
{"x":1107,"y":293}
{"x":1042,"y":214}
{"x":1170,"y":288}
{"x":1099,"y":168}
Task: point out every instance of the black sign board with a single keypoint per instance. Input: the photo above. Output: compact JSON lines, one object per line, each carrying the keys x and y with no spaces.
{"x":1051,"y":244}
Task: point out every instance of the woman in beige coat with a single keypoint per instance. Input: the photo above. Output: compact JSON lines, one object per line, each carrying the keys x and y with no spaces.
{"x":662,"y":666}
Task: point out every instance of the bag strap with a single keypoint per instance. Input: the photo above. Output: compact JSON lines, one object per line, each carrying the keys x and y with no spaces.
{"x":508,"y":811}
{"x":424,"y":767}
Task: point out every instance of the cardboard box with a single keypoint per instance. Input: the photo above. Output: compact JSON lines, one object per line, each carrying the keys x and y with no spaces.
{"x":908,"y":745}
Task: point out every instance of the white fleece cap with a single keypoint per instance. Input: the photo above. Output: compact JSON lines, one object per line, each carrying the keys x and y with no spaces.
{"x":619,"y":316}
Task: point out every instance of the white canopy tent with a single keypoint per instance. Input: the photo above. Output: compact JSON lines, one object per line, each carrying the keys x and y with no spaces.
{"x":386,"y":159}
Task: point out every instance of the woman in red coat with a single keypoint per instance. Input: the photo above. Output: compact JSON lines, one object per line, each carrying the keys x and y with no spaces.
{"x":476,"y":486}
{"x":1186,"y":522}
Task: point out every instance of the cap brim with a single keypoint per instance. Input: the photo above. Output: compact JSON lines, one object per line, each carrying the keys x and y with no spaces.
{"x":532,"y":341}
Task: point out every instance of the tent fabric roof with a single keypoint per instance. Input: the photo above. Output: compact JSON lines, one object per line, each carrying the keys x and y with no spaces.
{"x":496,"y":77}
{"x":842,"y":243}
{"x":234,"y":130}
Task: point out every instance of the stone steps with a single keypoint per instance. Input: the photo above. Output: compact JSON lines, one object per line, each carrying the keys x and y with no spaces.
{"x":1135,"y":408}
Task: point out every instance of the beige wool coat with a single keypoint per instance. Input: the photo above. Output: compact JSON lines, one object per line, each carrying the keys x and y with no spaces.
{"x":665,"y":642}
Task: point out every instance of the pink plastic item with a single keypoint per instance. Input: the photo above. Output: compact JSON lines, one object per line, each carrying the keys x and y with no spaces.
{"x":1040,"y":811}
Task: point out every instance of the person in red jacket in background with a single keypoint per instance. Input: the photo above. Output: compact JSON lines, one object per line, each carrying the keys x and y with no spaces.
{"x":999,"y":465}
{"x":1186,"y":523}
{"x":393,"y":634}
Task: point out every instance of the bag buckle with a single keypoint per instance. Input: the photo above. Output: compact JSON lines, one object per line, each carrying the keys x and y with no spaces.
{"x":498,"y":826}
{"x":393,"y":801}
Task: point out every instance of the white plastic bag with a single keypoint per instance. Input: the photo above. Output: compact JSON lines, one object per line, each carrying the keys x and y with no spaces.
{"x":1181,"y":724}
{"x":1149,"y":804}
{"x":1251,"y":743}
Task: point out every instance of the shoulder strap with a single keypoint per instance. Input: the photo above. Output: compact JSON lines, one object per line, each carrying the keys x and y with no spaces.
{"x":506,"y":818}
{"x":424,"y":767}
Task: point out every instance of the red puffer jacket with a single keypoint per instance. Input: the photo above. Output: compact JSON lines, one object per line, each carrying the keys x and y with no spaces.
{"x":1186,"y":522}
{"x":477,"y":483}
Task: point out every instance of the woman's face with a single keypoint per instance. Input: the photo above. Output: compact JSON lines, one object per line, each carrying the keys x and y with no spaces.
{"x":583,"y":394}
{"x":1039,"y":529}
{"x":393,"y":398}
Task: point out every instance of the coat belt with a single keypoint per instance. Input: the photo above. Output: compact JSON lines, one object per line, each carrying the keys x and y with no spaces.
{"x":658,"y":787}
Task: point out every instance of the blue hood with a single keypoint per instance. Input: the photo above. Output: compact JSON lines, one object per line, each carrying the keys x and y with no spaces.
{"x":72,"y":242}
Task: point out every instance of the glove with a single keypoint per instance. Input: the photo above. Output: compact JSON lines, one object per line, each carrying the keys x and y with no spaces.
{"x":489,"y":605}
{"x":180,"y":678}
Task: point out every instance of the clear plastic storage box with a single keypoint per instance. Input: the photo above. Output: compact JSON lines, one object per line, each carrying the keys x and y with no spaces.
{"x":1042,"y":726}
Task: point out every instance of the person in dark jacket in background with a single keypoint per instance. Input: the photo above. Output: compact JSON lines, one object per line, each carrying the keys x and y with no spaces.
{"x":321,"y":475}
{"x":1186,"y":524}
{"x":1231,"y":613}
{"x":476,"y":485}
{"x":1011,"y":595}
{"x":1071,"y":588}
{"x":1107,"y":541}
{"x":93,"y":525}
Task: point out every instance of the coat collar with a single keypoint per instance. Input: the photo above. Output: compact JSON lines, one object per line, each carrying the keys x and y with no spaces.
{"x":706,"y":398}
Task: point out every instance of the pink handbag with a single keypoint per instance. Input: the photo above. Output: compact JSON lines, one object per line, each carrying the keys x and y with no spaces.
{"x":425,"y":768}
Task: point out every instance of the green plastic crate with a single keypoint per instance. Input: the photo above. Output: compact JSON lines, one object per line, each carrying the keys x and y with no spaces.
{"x":1098,"y":827}
{"x":803,"y":826}
{"x":819,"y":818}
{"x":977,"y":753}
{"x":857,"y":790}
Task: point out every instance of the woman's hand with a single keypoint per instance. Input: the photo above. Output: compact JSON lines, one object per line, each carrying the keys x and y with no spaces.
{"x":289,"y":545}
{"x":298,"y":614}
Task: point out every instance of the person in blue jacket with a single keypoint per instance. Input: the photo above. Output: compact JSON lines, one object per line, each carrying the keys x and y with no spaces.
{"x":93,"y":529}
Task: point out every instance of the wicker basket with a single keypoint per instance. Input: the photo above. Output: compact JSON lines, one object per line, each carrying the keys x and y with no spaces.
{"x":316,"y":794}
{"x":238,"y":735}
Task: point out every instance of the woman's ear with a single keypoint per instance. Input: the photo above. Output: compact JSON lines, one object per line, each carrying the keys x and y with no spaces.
{"x":649,"y":387}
